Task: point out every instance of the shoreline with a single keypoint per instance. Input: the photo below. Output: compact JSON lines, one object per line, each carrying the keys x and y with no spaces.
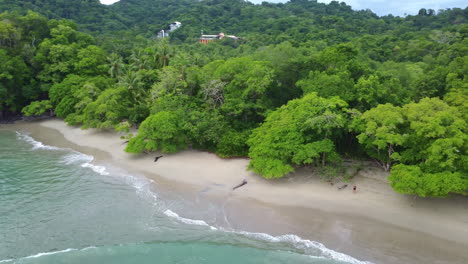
{"x":295,"y":201}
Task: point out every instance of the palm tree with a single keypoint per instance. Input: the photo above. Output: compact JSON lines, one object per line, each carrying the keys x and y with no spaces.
{"x":130,"y":79}
{"x":139,"y":60}
{"x":163,"y":54}
{"x":116,"y":65}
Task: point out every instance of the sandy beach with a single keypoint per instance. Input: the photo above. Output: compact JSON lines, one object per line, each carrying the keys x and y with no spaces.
{"x":374,"y":224}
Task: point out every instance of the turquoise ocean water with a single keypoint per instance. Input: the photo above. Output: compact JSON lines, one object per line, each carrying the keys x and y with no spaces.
{"x":57,"y":206}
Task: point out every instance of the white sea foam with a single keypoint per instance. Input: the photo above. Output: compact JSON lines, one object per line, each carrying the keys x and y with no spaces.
{"x":304,"y":244}
{"x":294,"y":240}
{"x":187,"y":220}
{"x":142,"y":186}
{"x":36,"y":144}
{"x":98,"y":169}
{"x":76,"y":157}
{"x":38,"y":255}
{"x":50,"y":253}
{"x":85,"y":161}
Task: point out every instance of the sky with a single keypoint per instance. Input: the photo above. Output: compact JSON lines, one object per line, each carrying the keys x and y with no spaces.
{"x":382,"y":7}
{"x":400,"y":7}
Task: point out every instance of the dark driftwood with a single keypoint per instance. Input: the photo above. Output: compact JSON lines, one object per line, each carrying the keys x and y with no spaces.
{"x":244,"y":182}
{"x":158,"y":157}
{"x":342,"y":187}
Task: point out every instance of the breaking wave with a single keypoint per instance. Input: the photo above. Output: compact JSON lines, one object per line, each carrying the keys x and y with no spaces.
{"x":294,"y":240}
{"x":142,"y":186}
{"x":72,"y":158}
{"x":36,"y":144}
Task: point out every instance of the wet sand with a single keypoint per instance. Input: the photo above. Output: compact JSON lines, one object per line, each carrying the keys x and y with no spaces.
{"x":374,"y":224}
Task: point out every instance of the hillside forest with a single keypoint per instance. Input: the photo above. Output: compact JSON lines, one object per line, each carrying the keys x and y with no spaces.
{"x":308,"y":84}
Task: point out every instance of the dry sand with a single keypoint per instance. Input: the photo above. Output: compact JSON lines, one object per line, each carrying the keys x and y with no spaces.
{"x":374,"y":219}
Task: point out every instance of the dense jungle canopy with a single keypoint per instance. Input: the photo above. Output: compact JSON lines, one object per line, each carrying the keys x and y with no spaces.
{"x":308,"y":84}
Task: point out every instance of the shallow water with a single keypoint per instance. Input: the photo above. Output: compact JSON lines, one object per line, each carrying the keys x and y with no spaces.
{"x":58,"y":206}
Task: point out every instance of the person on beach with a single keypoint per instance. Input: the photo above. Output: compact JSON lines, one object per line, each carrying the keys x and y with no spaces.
{"x":354,"y":189}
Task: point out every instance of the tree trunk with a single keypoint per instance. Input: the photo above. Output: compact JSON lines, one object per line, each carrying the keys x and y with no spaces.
{"x":385,"y":165}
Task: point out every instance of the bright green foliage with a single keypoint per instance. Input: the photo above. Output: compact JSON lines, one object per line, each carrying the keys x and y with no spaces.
{"x":206,"y":128}
{"x":381,"y":131}
{"x":432,"y":83}
{"x":300,"y":132}
{"x":337,"y":71}
{"x":91,"y":61}
{"x":428,"y":139}
{"x":66,"y":52}
{"x":161,"y":131}
{"x":437,"y":136}
{"x":410,"y":179}
{"x":342,"y":57}
{"x":239,"y":88}
{"x":270,"y":167}
{"x":211,"y":97}
{"x":351,"y":81}
{"x":407,"y":73}
{"x":9,"y":34}
{"x":61,"y":95}
{"x":373,"y":90}
{"x":315,"y":150}
{"x":74,"y":93}
{"x":233,"y":144}
{"x":457,"y":94}
{"x":37,"y":108}
{"x":109,"y":109}
{"x":328,"y":85}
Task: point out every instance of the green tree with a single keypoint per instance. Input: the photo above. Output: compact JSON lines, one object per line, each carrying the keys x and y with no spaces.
{"x":428,"y":139}
{"x":300,"y":132}
{"x":411,"y":179}
{"x":240,"y":88}
{"x":437,"y":138}
{"x":60,"y":54}
{"x":14,"y":82}
{"x":37,"y":108}
{"x":74,"y":93}
{"x":111,"y":107}
{"x":116,"y":65}
{"x":381,"y":132}
{"x":328,"y":85}
{"x":91,"y":61}
{"x":161,"y":131}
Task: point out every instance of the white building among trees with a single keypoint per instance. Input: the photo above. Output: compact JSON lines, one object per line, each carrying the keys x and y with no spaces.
{"x":172,"y":27}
